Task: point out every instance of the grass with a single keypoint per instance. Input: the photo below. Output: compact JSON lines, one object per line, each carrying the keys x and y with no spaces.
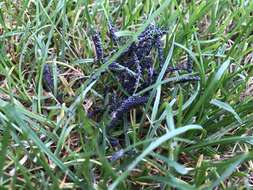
{"x":188,"y":136}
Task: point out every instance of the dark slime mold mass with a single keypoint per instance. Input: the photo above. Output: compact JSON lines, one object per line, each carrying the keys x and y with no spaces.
{"x":134,"y":68}
{"x":125,"y":107}
{"x":48,"y":83}
{"x":96,"y":38}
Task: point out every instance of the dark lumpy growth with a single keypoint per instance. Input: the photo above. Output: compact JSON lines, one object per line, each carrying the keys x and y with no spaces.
{"x":148,"y":39}
{"x":48,"y":83}
{"x":125,"y":107}
{"x":135,"y":68}
{"x":112,"y":32}
{"x":138,"y":59}
{"x":96,"y":38}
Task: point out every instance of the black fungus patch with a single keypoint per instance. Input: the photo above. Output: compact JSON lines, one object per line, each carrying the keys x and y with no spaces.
{"x":47,"y":81}
{"x":135,"y":69}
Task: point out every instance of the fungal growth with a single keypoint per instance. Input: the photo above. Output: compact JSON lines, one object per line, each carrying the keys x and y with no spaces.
{"x":98,"y":46}
{"x":135,"y":68}
{"x":125,"y":106}
{"x":48,"y":83}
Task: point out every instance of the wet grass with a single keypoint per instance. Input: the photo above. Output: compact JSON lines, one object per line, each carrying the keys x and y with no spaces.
{"x":188,"y":136}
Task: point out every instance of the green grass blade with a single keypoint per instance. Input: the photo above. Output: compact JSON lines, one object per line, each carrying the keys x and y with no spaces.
{"x":227,"y":107}
{"x":149,"y":149}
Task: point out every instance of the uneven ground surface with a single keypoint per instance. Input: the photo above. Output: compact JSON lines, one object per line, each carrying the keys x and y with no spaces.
{"x":56,"y":96}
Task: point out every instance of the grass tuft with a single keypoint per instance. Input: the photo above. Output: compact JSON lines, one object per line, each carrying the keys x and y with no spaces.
{"x":194,"y":135}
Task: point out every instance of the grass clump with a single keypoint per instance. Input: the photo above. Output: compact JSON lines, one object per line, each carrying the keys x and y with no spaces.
{"x":56,"y":95}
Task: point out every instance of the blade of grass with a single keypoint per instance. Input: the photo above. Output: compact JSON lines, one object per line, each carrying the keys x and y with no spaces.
{"x":210,"y":90}
{"x":227,"y":107}
{"x":149,"y":149}
{"x":16,"y":117}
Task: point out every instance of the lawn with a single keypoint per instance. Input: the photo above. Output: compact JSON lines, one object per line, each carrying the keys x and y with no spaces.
{"x":126,"y":94}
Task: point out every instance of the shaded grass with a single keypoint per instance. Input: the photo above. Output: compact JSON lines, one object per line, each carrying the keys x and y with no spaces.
{"x":50,"y":145}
